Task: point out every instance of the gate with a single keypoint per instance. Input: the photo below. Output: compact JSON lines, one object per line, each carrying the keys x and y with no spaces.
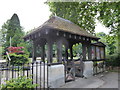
{"x":69,"y":71}
{"x":75,"y":68}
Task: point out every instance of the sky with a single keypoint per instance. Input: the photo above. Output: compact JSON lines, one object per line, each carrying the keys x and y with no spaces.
{"x":32,"y":13}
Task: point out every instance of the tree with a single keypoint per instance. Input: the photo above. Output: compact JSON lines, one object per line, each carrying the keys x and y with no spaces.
{"x":12,"y":29}
{"x":109,"y":15}
{"x":81,"y":13}
{"x":85,"y":13}
{"x":109,"y":41}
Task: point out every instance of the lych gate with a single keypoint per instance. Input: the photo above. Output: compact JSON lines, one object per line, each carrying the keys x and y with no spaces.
{"x":58,"y":32}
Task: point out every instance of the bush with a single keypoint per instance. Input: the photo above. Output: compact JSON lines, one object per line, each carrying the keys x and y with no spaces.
{"x":18,"y":83}
{"x":18,"y":59}
{"x":113,"y":60}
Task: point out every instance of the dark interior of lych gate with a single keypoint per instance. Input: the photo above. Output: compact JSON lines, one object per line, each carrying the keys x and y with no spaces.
{"x":55,"y":40}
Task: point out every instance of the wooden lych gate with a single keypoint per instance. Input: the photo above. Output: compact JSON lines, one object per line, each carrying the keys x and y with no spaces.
{"x":63,"y":33}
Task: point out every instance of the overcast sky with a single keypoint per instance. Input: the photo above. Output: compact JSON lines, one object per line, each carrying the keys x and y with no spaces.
{"x":32,"y":13}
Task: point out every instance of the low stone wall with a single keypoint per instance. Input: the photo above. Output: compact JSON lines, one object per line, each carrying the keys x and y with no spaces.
{"x":88,"y":69}
{"x":55,"y":75}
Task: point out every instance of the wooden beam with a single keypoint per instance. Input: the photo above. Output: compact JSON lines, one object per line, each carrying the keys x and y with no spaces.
{"x":50,"y":52}
{"x":59,"y":51}
{"x":100,"y":51}
{"x":95,"y":53}
{"x":104,"y":53}
{"x":34,"y":52}
{"x":71,"y":52}
{"x":84,"y":50}
{"x":43,"y":52}
{"x":66,"y":53}
{"x":89,"y":52}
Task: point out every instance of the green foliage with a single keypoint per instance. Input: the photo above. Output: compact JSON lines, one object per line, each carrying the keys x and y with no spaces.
{"x":25,"y":45}
{"x":12,"y":29}
{"x":84,"y":14}
{"x":109,"y":15}
{"x":3,"y":32}
{"x":21,"y":82}
{"x":81,"y":13}
{"x":18,"y":59}
{"x":113,"y":60}
{"x":109,"y":41}
{"x":77,"y":49}
{"x":1,"y":52}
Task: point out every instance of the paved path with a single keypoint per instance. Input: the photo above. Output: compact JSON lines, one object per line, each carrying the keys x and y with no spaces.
{"x":104,"y":80}
{"x":91,"y":82}
{"x":110,"y":80}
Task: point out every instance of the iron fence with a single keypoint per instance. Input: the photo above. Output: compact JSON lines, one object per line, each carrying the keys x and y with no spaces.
{"x":37,"y":71}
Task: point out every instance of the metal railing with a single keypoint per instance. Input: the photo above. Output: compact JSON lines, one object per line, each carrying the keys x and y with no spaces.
{"x":37,"y":71}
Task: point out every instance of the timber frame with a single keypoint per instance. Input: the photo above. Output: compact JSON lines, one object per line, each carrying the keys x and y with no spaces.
{"x":62,"y":32}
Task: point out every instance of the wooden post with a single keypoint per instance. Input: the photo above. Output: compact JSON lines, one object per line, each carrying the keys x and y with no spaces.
{"x":72,"y":62}
{"x":100,"y":52}
{"x":59,"y":51}
{"x":95,"y":53}
{"x":71,"y":52}
{"x":84,"y":51}
{"x":104,"y":53}
{"x":66,"y":53}
{"x":50,"y":52}
{"x":89,"y":52}
{"x":34,"y":52}
{"x":104,"y":64}
{"x":43,"y":52}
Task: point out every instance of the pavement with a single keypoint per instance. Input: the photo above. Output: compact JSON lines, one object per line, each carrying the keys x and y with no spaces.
{"x":110,"y":80}
{"x":103,"y":80}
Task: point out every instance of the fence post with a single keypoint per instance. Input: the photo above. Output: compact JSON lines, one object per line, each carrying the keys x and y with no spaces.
{"x":0,"y":77}
{"x":27,"y":69}
{"x":32,"y":72}
{"x":12,"y":71}
{"x":36,"y":72}
{"x":47,"y":76}
{"x":7,"y":72}
{"x":40,"y":74}
{"x":44,"y":74}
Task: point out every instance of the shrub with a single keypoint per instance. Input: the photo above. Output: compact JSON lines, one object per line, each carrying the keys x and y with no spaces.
{"x":113,"y":60}
{"x":18,"y":59}
{"x":17,"y":55}
{"x":18,"y":83}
